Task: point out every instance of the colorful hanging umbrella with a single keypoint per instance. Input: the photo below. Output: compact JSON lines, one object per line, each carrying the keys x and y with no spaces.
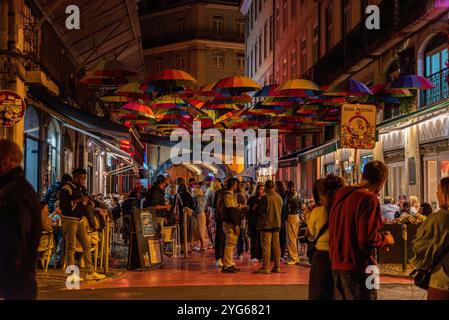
{"x":167,"y":102}
{"x":411,"y":82}
{"x":131,"y":90}
{"x":300,"y":88}
{"x":100,"y":81}
{"x":282,"y":101}
{"x":236,"y":85}
{"x":171,"y":78}
{"x":348,"y":88}
{"x":268,"y":91}
{"x":139,"y":109}
{"x":115,"y":99}
{"x":208,"y":90}
{"x":113,"y":68}
{"x":242,"y":99}
{"x":397,"y":93}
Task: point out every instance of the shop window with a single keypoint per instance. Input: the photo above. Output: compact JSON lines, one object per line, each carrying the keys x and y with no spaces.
{"x":53,"y":142}
{"x":31,"y":148}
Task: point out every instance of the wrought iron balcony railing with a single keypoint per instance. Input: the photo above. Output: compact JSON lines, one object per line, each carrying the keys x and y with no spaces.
{"x":437,"y":94}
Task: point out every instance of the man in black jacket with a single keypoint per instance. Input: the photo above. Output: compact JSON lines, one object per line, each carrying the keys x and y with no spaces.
{"x":73,"y":203}
{"x":20,"y":227}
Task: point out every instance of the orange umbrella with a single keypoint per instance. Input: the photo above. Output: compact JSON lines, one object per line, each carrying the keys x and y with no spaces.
{"x":300,"y":88}
{"x":236,"y":85}
{"x":139,"y":109}
{"x":171,"y":78}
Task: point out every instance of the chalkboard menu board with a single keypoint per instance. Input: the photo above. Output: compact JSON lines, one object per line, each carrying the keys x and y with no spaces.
{"x":411,"y":171}
{"x":148,"y":241}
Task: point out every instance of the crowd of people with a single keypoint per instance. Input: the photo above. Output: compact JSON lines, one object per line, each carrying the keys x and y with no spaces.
{"x":343,"y":225}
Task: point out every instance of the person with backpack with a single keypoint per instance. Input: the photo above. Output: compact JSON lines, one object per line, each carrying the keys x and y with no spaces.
{"x":231,"y":224}
{"x":320,"y":278}
{"x":269,"y":215}
{"x":217,"y":207}
{"x":355,"y":222}
{"x":431,"y":247}
{"x":74,"y":204}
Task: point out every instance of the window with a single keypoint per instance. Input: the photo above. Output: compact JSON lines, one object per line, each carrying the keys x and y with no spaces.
{"x":271,"y":33}
{"x":240,"y":27}
{"x":293,"y":63}
{"x":265,"y":42}
{"x":329,"y":25}
{"x":285,"y":16}
{"x":256,"y":55}
{"x":160,"y":29}
{"x":240,"y":62}
{"x":181,"y":25}
{"x":316,"y":44}
{"x":218,"y":60}
{"x":285,"y":69}
{"x":278,"y":23}
{"x":181,"y":60}
{"x":303,"y":55}
{"x":159,"y":64}
{"x":260,"y":49}
{"x":256,"y":5}
{"x":294,"y":8}
{"x":217,"y":24}
{"x":347,"y":16}
{"x":250,"y":18}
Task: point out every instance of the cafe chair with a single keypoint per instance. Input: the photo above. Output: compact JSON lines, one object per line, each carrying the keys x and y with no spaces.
{"x":46,"y":247}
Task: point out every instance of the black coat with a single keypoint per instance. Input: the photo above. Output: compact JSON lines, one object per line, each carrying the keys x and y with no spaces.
{"x":20,"y":232}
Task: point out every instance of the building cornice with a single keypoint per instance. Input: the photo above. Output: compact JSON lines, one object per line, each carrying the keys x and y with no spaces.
{"x":194,"y":43}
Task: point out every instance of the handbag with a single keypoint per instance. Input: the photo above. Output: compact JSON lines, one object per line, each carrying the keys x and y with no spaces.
{"x":421,"y":277}
{"x":311,"y":248}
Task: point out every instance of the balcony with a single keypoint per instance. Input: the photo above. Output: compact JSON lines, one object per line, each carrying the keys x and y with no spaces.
{"x":203,"y":34}
{"x":437,"y":94}
{"x":361,"y":43}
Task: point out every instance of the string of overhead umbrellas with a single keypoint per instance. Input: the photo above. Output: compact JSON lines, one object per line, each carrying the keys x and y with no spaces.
{"x":166,"y":100}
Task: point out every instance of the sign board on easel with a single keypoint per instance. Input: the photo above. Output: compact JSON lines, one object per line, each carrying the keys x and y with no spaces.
{"x":148,"y":241}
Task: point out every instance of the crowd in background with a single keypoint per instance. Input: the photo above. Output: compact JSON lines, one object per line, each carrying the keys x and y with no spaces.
{"x":343,"y":225}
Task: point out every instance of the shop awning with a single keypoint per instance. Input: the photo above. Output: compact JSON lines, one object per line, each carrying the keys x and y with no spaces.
{"x":318,"y":151}
{"x":413,"y":118}
{"x":76,"y":117}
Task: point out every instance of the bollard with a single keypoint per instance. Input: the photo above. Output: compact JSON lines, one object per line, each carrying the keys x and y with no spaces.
{"x":405,"y":255}
{"x":186,"y":250}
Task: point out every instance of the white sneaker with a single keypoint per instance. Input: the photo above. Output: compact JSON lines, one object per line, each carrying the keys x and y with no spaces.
{"x":95,"y":276}
{"x":240,"y":256}
{"x":255,"y":260}
{"x":219,"y":263}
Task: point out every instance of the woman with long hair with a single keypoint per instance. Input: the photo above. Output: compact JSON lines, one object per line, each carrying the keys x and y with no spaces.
{"x":320,"y":278}
{"x":431,"y":246}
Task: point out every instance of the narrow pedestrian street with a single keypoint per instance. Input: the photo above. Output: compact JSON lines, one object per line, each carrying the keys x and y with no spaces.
{"x":197,"y":278}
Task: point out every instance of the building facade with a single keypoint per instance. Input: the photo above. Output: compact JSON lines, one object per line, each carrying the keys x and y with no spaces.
{"x":330,"y":43}
{"x":65,"y":126}
{"x":204,"y":38}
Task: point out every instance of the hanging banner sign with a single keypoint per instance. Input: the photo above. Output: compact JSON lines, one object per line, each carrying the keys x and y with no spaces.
{"x":358,"y":126}
{"x":12,"y":108}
